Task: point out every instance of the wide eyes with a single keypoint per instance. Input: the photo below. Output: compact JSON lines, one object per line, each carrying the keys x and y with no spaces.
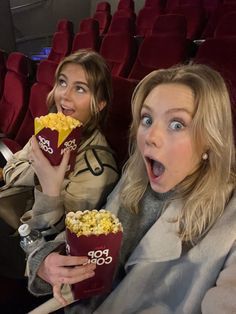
{"x":77,"y":88}
{"x":146,"y":120}
{"x":61,"y":82}
{"x":80,"y":89}
{"x":176,"y":125}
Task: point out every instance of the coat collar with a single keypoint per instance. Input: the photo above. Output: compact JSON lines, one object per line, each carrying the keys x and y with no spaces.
{"x":161,"y":242}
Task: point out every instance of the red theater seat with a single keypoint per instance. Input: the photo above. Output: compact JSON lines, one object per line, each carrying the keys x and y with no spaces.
{"x":220,"y":53}
{"x":61,"y":46}
{"x":157,"y":51}
{"x":170,"y":24}
{"x":88,"y":35}
{"x":122,"y":24}
{"x":145,"y":20}
{"x":103,"y":16}
{"x":216,"y":17}
{"x":196,"y":20}
{"x":119,"y":118}
{"x":119,"y":50}
{"x":37,"y":103}
{"x":3,"y":58}
{"x":226,"y":26}
{"x":14,"y":102}
{"x":126,"y":5}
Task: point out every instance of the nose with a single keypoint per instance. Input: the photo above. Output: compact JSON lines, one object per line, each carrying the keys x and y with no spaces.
{"x":66,"y":92}
{"x":154,"y":136}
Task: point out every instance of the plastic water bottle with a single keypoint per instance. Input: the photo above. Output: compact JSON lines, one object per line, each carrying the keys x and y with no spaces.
{"x":30,"y":238}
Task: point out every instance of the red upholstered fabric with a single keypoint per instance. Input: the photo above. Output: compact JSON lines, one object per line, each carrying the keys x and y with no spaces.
{"x":103,"y":6}
{"x":171,"y":5}
{"x":145,"y":20}
{"x":215,"y":18}
{"x":89,"y":25}
{"x":157,"y":52}
{"x":37,"y":103}
{"x":88,"y":35}
{"x":65,"y":25}
{"x":14,"y":102}
{"x":2,"y":70}
{"x":196,"y":20}
{"x":119,"y":50}
{"x":126,"y":4}
{"x":226,"y":26}
{"x":210,"y":6}
{"x":220,"y":53}
{"x":103,"y":16}
{"x":154,"y":3}
{"x":170,"y":24}
{"x":104,"y":19}
{"x":196,"y":3}
{"x":61,"y":46}
{"x":119,"y":118}
{"x":124,"y":13}
{"x":122,"y":24}
{"x":125,"y":8}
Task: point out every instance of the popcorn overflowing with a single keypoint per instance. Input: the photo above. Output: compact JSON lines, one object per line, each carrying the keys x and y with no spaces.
{"x":57,"y":121}
{"x":92,"y":222}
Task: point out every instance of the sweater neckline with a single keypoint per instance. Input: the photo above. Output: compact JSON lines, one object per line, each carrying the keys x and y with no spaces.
{"x":161,"y":196}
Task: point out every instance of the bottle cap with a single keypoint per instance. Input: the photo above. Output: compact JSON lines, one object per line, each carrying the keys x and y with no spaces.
{"x":24,"y":230}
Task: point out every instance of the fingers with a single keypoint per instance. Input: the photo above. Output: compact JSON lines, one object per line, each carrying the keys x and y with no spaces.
{"x":64,"y":163}
{"x":58,"y":295}
{"x":67,"y":269}
{"x":35,"y":153}
{"x":64,"y":260}
{"x":70,"y":275}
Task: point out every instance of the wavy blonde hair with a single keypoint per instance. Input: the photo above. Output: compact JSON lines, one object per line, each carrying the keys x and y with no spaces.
{"x":206,"y":192}
{"x":99,"y":82}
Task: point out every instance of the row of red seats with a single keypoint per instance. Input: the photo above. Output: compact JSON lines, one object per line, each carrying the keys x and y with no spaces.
{"x":122,"y":50}
{"x":17,"y":114}
{"x":200,"y":14}
{"x":28,"y":102}
{"x":125,"y":54}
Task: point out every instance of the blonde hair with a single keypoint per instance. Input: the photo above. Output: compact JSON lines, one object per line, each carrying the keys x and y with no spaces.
{"x":205,"y":192}
{"x":99,"y":82}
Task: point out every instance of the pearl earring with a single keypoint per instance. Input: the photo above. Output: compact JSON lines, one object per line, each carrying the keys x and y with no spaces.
{"x":204,"y":156}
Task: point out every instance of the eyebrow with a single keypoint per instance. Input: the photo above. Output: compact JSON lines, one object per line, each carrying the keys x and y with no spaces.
{"x":172,"y":110}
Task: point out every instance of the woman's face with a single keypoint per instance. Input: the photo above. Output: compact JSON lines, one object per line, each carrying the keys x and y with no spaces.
{"x":72,"y":95}
{"x":164,"y":136}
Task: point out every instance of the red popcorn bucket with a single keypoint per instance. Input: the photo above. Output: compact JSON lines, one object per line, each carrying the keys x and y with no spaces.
{"x":100,"y":249}
{"x":53,"y":143}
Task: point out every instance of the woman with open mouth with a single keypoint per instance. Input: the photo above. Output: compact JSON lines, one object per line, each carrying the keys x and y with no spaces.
{"x":176,"y":202}
{"x":82,"y":90}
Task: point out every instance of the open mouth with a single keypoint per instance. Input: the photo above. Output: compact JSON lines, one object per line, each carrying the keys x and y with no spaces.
{"x":157,"y":168}
{"x":67,"y":111}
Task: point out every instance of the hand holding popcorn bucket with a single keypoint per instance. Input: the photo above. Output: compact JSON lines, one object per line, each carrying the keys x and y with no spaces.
{"x":56,"y":132}
{"x":98,"y":235}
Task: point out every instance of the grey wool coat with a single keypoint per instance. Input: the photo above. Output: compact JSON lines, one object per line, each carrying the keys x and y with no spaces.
{"x":163,"y":278}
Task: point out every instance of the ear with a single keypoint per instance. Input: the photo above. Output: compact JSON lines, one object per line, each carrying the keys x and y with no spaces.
{"x":101,"y":105}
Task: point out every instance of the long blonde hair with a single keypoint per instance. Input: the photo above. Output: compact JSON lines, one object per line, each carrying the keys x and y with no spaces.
{"x":206,"y":192}
{"x":99,"y":81}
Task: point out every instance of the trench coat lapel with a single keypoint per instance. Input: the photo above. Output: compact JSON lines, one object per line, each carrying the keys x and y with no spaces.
{"x":161,"y":242}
